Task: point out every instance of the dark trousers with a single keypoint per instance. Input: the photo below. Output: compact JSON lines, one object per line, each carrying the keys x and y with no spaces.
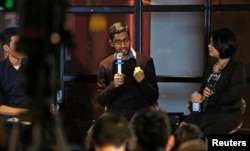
{"x":217,"y":123}
{"x":19,"y":135}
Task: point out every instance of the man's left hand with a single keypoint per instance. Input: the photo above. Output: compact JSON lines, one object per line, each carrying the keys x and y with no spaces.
{"x":138,"y":74}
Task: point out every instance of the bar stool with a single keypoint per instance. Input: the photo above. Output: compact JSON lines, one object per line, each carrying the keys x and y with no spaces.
{"x":243,"y":110}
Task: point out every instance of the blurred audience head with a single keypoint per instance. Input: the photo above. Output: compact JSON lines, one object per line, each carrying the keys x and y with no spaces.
{"x":152,"y":129}
{"x":193,"y":145}
{"x":187,"y":132}
{"x":111,"y":132}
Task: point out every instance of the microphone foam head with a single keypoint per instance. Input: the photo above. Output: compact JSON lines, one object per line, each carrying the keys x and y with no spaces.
{"x":119,"y":56}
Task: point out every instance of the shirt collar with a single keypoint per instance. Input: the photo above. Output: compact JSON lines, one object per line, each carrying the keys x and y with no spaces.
{"x":131,"y":55}
{"x":8,"y":64}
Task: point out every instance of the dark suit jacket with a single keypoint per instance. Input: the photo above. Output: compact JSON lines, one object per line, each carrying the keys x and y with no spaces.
{"x":229,"y":88}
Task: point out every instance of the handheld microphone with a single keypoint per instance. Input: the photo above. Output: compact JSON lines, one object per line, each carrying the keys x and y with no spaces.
{"x":204,"y":104}
{"x":119,"y":62}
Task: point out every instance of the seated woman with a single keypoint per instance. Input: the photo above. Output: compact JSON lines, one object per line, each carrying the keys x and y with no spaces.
{"x":221,"y":91}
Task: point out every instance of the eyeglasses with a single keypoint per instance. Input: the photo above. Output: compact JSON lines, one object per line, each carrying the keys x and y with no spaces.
{"x":119,"y":42}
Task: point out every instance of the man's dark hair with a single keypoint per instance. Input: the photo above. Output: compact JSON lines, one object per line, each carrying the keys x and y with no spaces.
{"x":152,"y":128}
{"x":187,"y":132}
{"x":110,"y":129}
{"x":7,"y":33}
{"x":224,"y":40}
{"x":117,"y":28}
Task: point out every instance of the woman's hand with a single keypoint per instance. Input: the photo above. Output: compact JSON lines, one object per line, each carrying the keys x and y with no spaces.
{"x":207,"y":92}
{"x":196,"y":97}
